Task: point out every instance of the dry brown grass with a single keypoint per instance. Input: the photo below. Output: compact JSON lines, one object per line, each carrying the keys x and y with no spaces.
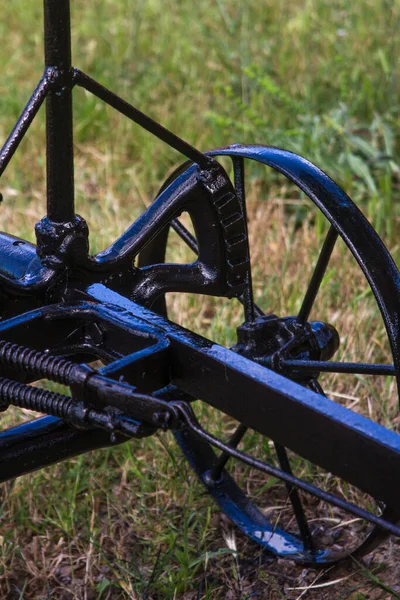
{"x":318,"y":77}
{"x":120,"y":524}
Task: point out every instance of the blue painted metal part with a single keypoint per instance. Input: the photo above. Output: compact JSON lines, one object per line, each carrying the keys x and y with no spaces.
{"x":189,"y":352}
{"x":87,"y":307}
{"x":383,"y":277}
{"x":44,"y":442}
{"x":335,"y":433}
{"x":362,"y":240}
{"x":216,"y":382}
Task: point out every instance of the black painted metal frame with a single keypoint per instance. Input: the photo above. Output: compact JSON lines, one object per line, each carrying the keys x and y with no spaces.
{"x":61,"y":307}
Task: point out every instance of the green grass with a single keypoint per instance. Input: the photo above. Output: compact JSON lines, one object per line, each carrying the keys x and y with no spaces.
{"x":319,"y":78}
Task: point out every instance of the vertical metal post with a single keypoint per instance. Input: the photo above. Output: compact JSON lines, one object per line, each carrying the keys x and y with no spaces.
{"x":59,"y":137}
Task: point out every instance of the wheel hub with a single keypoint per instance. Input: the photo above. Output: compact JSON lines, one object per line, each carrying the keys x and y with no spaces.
{"x":269,"y":340}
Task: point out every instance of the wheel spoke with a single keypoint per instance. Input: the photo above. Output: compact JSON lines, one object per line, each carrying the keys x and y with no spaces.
{"x":311,"y":366}
{"x":215,"y":472}
{"x":185,"y":234}
{"x":317,"y":275}
{"x":229,"y":485}
{"x":295,"y":500}
{"x":314,"y":385}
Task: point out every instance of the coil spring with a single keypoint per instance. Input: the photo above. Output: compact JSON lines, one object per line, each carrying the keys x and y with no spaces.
{"x":36,"y":363}
{"x":37,"y":399}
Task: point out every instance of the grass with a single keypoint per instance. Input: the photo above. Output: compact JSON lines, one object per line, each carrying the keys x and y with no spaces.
{"x":317,"y":77}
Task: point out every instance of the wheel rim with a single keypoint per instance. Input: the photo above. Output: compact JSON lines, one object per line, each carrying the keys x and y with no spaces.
{"x":384,"y":281}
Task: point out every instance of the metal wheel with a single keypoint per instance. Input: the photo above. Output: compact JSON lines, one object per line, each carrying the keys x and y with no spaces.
{"x":300,"y":350}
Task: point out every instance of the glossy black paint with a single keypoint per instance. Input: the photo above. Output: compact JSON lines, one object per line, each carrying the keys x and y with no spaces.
{"x":360,"y":237}
{"x":271,"y":341}
{"x":141,"y":119}
{"x":27,"y":116}
{"x":59,"y":136}
{"x":217,"y":375}
{"x":44,"y":442}
{"x":62,"y":308}
{"x":243,"y":511}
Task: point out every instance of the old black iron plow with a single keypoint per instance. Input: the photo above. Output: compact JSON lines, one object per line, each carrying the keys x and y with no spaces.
{"x":62,"y":309}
